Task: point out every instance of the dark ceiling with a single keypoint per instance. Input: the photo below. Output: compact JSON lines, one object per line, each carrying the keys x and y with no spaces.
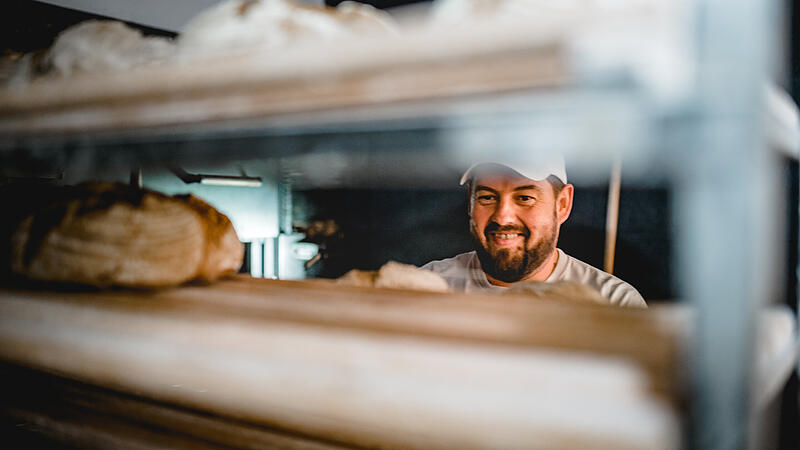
{"x":27,"y":25}
{"x":30,"y":25}
{"x":380,"y":3}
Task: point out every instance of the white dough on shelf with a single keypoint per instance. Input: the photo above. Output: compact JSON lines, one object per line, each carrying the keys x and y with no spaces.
{"x":395,"y":275}
{"x":103,"y":45}
{"x":239,"y":25}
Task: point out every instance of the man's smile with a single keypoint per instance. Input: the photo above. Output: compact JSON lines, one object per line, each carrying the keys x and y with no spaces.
{"x":505,"y":238}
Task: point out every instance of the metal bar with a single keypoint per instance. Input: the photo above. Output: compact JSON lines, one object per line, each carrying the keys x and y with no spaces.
{"x":136,"y":177}
{"x":285,"y":203}
{"x":727,"y":242}
{"x":216,"y":180}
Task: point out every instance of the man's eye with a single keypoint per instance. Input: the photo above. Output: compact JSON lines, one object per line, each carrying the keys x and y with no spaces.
{"x":527,"y":199}
{"x":484,"y":199}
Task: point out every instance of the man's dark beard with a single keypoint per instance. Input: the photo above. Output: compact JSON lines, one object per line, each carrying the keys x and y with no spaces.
{"x":507,"y":268}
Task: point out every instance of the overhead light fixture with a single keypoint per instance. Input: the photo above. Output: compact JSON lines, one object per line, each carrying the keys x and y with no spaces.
{"x":217,"y":180}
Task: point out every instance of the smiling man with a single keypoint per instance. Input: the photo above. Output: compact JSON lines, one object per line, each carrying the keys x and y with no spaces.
{"x":515,"y":215}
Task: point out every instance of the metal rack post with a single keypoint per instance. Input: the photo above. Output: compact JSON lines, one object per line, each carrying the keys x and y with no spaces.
{"x":726,"y":188}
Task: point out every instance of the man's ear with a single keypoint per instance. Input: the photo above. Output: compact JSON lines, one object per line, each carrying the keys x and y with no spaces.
{"x":564,"y":203}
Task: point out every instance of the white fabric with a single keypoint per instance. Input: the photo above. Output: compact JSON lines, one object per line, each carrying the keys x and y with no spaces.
{"x":464,"y":274}
{"x":531,"y":165}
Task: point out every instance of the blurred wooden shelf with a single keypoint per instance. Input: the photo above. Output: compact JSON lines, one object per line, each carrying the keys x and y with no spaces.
{"x":363,"y":367}
{"x":292,"y":84}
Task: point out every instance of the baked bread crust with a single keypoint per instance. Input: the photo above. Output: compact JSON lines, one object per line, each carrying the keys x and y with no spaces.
{"x":109,"y":234}
{"x":395,"y":275}
{"x":223,"y":251}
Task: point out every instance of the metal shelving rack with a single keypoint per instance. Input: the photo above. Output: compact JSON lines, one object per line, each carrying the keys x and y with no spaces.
{"x":709,"y":140}
{"x":727,"y":192}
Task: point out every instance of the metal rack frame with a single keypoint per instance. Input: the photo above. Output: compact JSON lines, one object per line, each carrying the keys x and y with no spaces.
{"x":714,"y":150}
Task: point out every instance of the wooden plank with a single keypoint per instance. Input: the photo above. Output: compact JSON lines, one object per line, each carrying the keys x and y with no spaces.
{"x":502,"y":320}
{"x":428,"y":65}
{"x":365,"y":367}
{"x":612,"y":215}
{"x":265,"y":100}
{"x":66,"y":412}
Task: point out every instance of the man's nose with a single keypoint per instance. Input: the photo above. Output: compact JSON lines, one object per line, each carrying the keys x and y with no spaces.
{"x":505,"y":213}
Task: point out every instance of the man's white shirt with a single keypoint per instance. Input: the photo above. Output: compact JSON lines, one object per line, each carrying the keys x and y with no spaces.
{"x":464,"y":274}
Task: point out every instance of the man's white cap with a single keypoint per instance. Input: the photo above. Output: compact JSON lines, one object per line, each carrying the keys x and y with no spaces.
{"x":536,"y":167}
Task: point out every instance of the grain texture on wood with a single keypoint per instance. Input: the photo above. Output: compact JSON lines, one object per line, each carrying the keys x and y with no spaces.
{"x":66,"y":412}
{"x":366,"y":367}
{"x":387,"y":70}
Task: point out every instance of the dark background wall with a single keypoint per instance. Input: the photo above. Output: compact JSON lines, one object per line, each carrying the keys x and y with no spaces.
{"x":789,"y":434}
{"x":380,"y":3}
{"x":415,"y":226}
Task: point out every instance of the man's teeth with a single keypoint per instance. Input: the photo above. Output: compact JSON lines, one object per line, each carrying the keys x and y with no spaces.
{"x":506,"y":236}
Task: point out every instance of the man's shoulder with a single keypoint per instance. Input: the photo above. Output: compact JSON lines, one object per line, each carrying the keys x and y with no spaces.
{"x":460,"y":261}
{"x":615,"y":289}
{"x":462,"y":272}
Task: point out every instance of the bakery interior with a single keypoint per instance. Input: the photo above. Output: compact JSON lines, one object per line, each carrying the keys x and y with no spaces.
{"x":341,"y":148}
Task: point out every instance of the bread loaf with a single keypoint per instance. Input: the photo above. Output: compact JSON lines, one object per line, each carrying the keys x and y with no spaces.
{"x":240,"y":25}
{"x":396,"y":275}
{"x":108,"y":234}
{"x":104,"y":45}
